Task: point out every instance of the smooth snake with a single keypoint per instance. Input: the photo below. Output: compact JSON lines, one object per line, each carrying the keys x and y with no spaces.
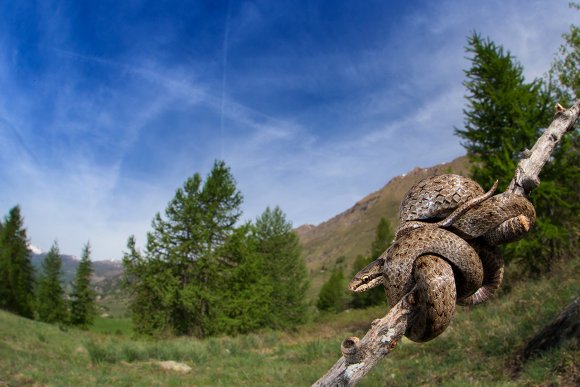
{"x":445,"y":249}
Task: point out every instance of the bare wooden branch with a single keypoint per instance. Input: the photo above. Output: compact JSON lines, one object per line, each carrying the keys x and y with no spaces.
{"x":360,"y":356}
{"x":528,"y":170}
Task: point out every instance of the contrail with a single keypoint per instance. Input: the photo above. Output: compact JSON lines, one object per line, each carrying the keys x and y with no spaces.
{"x":19,"y":139}
{"x":224,"y":78}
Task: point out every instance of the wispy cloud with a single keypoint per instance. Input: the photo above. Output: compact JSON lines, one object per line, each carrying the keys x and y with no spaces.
{"x":97,"y":130}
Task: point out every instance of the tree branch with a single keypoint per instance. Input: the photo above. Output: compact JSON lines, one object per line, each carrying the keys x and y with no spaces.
{"x":360,"y":356}
{"x":528,"y":170}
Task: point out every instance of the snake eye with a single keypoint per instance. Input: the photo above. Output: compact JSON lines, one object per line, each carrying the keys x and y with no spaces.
{"x":365,"y":278}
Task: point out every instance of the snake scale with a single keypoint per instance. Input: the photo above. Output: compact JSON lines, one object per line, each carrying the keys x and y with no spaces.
{"x":445,"y":249}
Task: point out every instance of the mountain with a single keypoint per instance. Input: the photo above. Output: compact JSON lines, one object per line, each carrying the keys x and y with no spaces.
{"x":106,"y":274}
{"x":352,"y":232}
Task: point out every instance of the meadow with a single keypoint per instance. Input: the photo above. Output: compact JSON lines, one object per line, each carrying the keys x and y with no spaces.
{"x":477,"y":349}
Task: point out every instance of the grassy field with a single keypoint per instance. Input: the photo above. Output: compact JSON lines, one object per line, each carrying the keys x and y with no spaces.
{"x":113,"y":326}
{"x":475,"y":350}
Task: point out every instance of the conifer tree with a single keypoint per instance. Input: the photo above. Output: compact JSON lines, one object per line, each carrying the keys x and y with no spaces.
{"x":504,"y":116}
{"x":141,"y":277}
{"x":179,"y":273}
{"x":16,"y":270}
{"x":83,"y":309}
{"x":383,"y":238}
{"x":284,"y":268}
{"x":245,"y":297}
{"x":332,"y":296}
{"x":50,"y":300}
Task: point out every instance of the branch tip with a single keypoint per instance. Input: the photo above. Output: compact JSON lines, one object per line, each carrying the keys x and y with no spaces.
{"x":350,"y":349}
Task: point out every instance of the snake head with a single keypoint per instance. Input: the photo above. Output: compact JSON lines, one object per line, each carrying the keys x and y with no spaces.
{"x":369,"y":277}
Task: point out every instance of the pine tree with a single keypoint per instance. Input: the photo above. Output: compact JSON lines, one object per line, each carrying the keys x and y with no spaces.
{"x":51,"y":304}
{"x":383,"y":239}
{"x":245,"y":301}
{"x":284,"y":268}
{"x":179,"y":272}
{"x":140,"y":278}
{"x":504,"y":116}
{"x":83,"y":309}
{"x":332,"y":296}
{"x":16,"y":270}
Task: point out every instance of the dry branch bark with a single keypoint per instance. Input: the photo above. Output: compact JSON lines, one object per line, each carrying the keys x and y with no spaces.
{"x":360,"y":356}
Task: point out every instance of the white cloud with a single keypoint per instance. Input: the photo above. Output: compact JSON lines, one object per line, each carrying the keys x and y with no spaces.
{"x":313,"y":163}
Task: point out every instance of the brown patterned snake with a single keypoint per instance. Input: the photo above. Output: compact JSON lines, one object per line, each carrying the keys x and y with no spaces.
{"x":445,"y":249}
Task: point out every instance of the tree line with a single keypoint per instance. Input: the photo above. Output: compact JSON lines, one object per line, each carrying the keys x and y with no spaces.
{"x":202,"y":274}
{"x":41,"y":295}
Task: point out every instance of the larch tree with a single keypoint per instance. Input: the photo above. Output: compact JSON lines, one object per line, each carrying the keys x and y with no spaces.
{"x":50,"y":298}
{"x":284,"y":268}
{"x":245,"y":298}
{"x":503,"y":117}
{"x":383,"y":238}
{"x":16,"y":270}
{"x":333,"y":296}
{"x":82,"y":305}
{"x":181,"y":266}
{"x":142,"y":278}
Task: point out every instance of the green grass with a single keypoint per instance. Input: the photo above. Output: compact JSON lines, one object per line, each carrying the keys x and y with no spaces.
{"x":112,"y":326}
{"x":475,"y":350}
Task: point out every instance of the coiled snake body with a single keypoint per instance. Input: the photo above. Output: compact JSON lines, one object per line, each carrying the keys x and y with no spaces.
{"x":445,"y":248}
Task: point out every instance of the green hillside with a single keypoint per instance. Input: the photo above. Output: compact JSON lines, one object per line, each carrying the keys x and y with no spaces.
{"x":475,"y":350}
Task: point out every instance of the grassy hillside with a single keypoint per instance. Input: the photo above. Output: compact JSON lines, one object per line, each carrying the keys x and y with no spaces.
{"x":475,"y":350}
{"x":352,"y":232}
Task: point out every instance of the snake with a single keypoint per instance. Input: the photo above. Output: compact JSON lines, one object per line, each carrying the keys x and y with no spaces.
{"x":445,"y":248}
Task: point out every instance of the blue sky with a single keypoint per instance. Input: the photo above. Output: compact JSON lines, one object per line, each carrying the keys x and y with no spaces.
{"x":106,"y":107}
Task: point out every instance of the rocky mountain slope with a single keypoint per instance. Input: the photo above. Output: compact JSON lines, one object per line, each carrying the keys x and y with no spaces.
{"x":351,"y":232}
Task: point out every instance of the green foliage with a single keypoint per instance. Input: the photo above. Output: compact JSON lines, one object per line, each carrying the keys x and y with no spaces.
{"x":383,"y":238}
{"x":376,"y":296}
{"x":177,"y":282}
{"x":16,"y":271}
{"x":82,"y":304}
{"x":504,"y":116}
{"x":202,"y":276}
{"x":244,"y":299}
{"x":143,"y":278}
{"x":51,"y":305}
{"x":564,"y":73}
{"x":332,"y":296}
{"x":284,"y":269}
